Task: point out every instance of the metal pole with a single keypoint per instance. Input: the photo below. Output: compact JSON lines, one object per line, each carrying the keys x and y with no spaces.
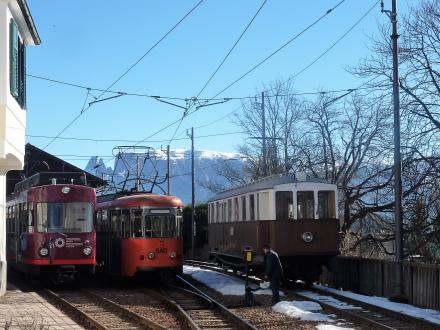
{"x":168,"y":170}
{"x":397,"y":157}
{"x":264,"y":135}
{"x":193,"y":198}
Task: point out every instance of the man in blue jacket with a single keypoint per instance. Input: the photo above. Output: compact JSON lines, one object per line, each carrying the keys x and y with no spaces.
{"x":273,"y":272}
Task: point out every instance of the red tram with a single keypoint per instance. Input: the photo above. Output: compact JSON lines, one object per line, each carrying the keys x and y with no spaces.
{"x":139,"y":233}
{"x":50,"y":227}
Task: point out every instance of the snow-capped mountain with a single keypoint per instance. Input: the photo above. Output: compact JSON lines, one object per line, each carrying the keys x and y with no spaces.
{"x":206,"y":163}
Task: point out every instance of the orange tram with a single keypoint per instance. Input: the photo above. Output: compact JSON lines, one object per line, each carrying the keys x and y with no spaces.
{"x":139,"y":233}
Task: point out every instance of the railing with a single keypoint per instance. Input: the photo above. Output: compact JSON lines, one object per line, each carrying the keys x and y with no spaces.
{"x":377,"y":278}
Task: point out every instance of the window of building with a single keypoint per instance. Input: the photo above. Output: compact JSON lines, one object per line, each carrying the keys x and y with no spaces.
{"x":243,"y":208}
{"x":17,"y":65}
{"x":252,"y":206}
{"x":217,"y":212}
{"x":326,"y":204}
{"x":224,"y":212}
{"x":284,"y":205}
{"x":229,"y":210}
{"x":305,"y":200}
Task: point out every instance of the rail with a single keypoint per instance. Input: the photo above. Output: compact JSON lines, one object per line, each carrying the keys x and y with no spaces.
{"x":375,"y":316}
{"x":200,"y":310}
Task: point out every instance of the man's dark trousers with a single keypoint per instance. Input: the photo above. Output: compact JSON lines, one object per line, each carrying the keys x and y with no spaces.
{"x":275,"y":286}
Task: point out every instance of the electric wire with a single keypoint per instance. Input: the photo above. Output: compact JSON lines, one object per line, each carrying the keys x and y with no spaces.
{"x":231,"y":49}
{"x":125,"y":72}
{"x":332,"y":45}
{"x":296,"y":36}
{"x":129,"y":141}
{"x":218,"y":68}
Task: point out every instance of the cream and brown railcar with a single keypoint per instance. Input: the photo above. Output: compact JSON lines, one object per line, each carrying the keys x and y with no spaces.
{"x":297,"y":217}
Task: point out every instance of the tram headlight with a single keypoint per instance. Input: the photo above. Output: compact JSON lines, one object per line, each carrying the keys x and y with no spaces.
{"x":173,"y":254}
{"x":87,"y":250}
{"x":44,"y":252}
{"x":65,"y":190}
{"x":151,"y":255}
{"x":307,"y":237}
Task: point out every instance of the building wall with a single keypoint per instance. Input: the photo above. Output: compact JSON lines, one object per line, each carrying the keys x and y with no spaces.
{"x":12,"y":124}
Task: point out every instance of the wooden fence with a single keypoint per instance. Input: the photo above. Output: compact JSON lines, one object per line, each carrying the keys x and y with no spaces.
{"x":377,"y":278}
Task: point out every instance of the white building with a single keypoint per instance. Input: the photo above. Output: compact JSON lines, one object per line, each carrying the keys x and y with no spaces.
{"x":17,"y":30}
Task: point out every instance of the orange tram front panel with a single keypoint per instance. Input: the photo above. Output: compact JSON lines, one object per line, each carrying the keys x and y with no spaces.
{"x":146,"y":255}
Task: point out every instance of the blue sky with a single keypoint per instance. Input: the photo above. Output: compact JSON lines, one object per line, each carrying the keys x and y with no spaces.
{"x":92,"y":42}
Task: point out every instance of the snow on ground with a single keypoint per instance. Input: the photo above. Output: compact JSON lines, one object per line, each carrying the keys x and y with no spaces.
{"x":426,"y":314}
{"x":328,"y":300}
{"x":226,"y":285}
{"x":303,"y":310}
{"x":331,"y":327}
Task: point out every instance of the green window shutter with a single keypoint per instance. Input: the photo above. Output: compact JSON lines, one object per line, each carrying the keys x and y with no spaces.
{"x":13,"y":58}
{"x":22,"y":75}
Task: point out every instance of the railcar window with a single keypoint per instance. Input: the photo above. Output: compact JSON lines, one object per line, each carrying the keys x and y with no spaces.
{"x":305,"y":202}
{"x":243,"y":208}
{"x":66,"y":217}
{"x":125,"y":223}
{"x":115,"y":216}
{"x":326,"y":204}
{"x":284,"y":205}
{"x":160,"y":226}
{"x":236,"y":212}
{"x":252,"y":206}
{"x":136,"y":224}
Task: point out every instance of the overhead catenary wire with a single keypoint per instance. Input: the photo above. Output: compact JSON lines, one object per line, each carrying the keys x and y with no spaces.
{"x":231,"y":49}
{"x":129,"y":141}
{"x":288,"y":42}
{"x":189,"y":106}
{"x":125,"y":72}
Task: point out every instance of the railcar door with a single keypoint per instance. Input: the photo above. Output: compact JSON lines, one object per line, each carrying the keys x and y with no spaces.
{"x":115,"y":242}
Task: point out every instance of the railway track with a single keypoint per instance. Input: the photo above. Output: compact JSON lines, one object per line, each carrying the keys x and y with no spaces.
{"x":373,"y":316}
{"x":99,"y":312}
{"x":199,"y":310}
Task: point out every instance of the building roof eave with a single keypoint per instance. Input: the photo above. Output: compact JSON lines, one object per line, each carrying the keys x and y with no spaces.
{"x":21,"y":12}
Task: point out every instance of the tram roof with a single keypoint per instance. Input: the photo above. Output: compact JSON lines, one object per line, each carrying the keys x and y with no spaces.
{"x":138,"y":200}
{"x":37,"y":160}
{"x":264,"y":183}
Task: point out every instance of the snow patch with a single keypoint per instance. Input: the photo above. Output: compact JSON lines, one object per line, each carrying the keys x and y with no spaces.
{"x":226,"y":285}
{"x":303,"y":310}
{"x":331,"y":327}
{"x":328,"y":300}
{"x":426,"y":314}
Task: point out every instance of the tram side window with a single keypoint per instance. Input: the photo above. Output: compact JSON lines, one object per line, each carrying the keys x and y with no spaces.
{"x":115,"y":216}
{"x":23,"y":217}
{"x":236,"y":211}
{"x":252,"y":206}
{"x":284,"y":205}
{"x":306,"y":202}
{"x":326,"y":204}
{"x":125,"y":223}
{"x":243,"y":208}
{"x":136,"y":224}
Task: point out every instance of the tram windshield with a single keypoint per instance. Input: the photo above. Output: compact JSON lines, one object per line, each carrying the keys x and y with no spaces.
{"x":161,"y":226}
{"x":75,"y":217}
